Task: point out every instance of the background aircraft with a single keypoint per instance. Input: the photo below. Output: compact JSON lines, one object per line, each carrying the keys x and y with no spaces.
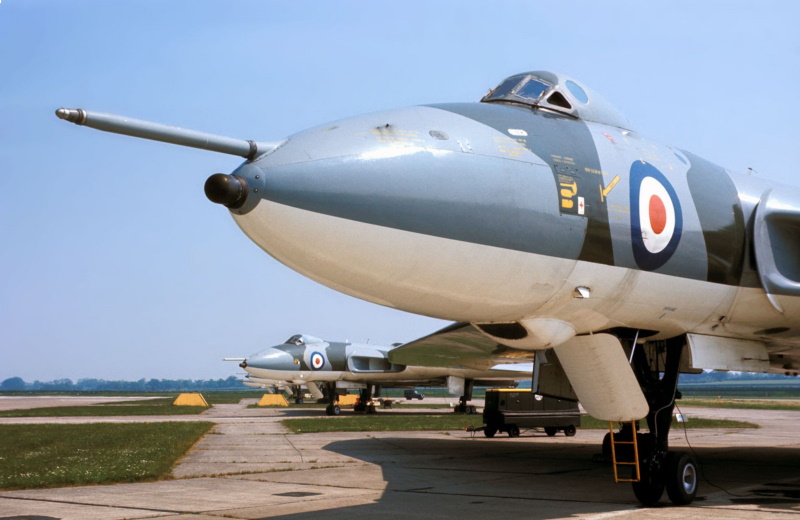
{"x":306,"y":360}
{"x":536,"y":219}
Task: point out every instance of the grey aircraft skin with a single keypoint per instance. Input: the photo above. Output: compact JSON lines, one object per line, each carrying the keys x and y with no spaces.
{"x":307,"y":360}
{"x":536,"y":219}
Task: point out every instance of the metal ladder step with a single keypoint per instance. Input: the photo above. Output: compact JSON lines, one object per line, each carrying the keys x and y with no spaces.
{"x":616,"y":463}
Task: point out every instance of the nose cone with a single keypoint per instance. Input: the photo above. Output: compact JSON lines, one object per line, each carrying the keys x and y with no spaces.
{"x":272,"y":358}
{"x":383,"y":206}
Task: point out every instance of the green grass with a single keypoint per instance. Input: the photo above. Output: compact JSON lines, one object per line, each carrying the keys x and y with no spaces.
{"x":148,"y":407}
{"x":399,"y":404}
{"x":753,"y":404}
{"x":590,"y":423}
{"x":384,"y":423}
{"x":154,"y":406}
{"x":54,"y":455}
{"x":229,"y":397}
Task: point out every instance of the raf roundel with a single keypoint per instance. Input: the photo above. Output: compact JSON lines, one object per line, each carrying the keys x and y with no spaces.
{"x":656,"y":218}
{"x":317,"y":361}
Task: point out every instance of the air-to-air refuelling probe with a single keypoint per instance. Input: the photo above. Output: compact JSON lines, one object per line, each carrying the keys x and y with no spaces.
{"x":306,"y":360}
{"x":536,"y":219}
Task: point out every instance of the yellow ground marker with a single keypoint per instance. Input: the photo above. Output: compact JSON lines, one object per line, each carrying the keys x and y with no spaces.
{"x":273,"y":400}
{"x":190,"y":400}
{"x":348,"y":399}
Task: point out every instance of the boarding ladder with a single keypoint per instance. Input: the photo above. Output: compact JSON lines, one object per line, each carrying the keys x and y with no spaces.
{"x":618,"y":463}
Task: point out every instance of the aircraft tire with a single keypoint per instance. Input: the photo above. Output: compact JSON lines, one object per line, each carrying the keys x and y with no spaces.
{"x":650,"y":488}
{"x":681,"y":478}
{"x":336,"y":410}
{"x":513,"y":430}
{"x":489,"y":432}
{"x":607,"y":446}
{"x":550,"y":431}
{"x":570,"y":430}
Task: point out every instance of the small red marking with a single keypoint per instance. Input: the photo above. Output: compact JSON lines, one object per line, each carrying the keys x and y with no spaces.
{"x":658,"y":214}
{"x":610,"y":138}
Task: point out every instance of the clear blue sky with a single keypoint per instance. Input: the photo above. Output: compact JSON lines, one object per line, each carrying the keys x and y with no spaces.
{"x":114,"y":265}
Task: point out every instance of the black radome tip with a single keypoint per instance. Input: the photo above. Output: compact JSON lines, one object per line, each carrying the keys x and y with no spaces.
{"x":228,"y":190}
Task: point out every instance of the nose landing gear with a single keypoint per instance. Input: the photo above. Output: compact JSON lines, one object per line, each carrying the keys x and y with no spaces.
{"x":661,"y":469}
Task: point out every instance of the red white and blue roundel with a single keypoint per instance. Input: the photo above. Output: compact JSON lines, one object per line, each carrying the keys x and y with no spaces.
{"x":656,"y":218}
{"x":317,"y":361}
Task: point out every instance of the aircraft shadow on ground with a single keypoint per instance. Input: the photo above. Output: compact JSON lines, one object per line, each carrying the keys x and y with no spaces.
{"x":541,"y":478}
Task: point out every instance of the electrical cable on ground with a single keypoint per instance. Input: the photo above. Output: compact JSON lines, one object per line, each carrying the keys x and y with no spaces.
{"x":699,"y":462}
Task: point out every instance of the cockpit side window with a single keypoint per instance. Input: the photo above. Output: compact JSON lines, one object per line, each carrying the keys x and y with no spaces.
{"x":504,"y":88}
{"x":297,"y":339}
{"x":558,"y":99}
{"x":532,"y":89}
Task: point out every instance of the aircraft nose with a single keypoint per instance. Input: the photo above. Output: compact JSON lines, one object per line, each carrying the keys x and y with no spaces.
{"x":271,"y":359}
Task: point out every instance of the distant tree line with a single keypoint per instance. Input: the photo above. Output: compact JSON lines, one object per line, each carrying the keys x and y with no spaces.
{"x":233,"y":383}
{"x":142,"y":385}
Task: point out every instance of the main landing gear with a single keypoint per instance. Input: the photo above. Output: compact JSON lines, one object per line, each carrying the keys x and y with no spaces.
{"x":365,"y":403}
{"x":333,"y":400}
{"x":297,"y":394}
{"x":462,"y":406}
{"x":659,"y":468}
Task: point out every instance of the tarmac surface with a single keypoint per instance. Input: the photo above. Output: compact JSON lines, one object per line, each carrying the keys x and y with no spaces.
{"x":251,"y":467}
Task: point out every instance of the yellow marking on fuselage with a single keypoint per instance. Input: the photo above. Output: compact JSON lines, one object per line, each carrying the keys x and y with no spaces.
{"x":624,"y":210}
{"x":568,"y":191}
{"x":610,"y":186}
{"x":514,"y":148}
{"x":394,"y":135}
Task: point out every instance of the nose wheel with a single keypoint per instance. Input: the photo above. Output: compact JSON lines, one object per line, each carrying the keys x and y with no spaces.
{"x":681,"y":478}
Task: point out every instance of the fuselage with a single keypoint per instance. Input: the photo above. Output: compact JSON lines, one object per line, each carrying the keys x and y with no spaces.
{"x":536,"y":215}
{"x":491,"y":212}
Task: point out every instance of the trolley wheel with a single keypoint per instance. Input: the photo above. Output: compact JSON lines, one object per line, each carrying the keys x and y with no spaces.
{"x":513,"y":430}
{"x":550,"y":430}
{"x":570,"y":430}
{"x":681,"y":478}
{"x":489,"y":432}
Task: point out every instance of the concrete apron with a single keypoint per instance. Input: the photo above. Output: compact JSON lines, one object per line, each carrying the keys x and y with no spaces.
{"x":251,"y":467}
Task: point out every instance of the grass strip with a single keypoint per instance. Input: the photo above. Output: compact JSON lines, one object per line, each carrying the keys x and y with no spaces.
{"x":590,"y":423}
{"x":384,"y":423}
{"x":322,"y":406}
{"x":56,"y":455}
{"x":106,"y":410}
{"x":750,"y":404}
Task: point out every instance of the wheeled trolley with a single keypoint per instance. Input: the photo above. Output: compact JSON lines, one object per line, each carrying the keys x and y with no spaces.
{"x":509,"y":410}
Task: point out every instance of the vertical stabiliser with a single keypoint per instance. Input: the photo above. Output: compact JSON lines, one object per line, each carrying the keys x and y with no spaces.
{"x":602,"y":378}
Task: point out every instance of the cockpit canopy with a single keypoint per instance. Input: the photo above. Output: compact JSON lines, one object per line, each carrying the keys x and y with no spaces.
{"x":300,"y":340}
{"x":557,"y":93}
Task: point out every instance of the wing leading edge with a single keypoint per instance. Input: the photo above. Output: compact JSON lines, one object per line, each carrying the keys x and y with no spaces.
{"x":457,"y":345}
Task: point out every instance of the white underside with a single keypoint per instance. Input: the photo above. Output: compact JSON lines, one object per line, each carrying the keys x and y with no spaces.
{"x":468,"y":282}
